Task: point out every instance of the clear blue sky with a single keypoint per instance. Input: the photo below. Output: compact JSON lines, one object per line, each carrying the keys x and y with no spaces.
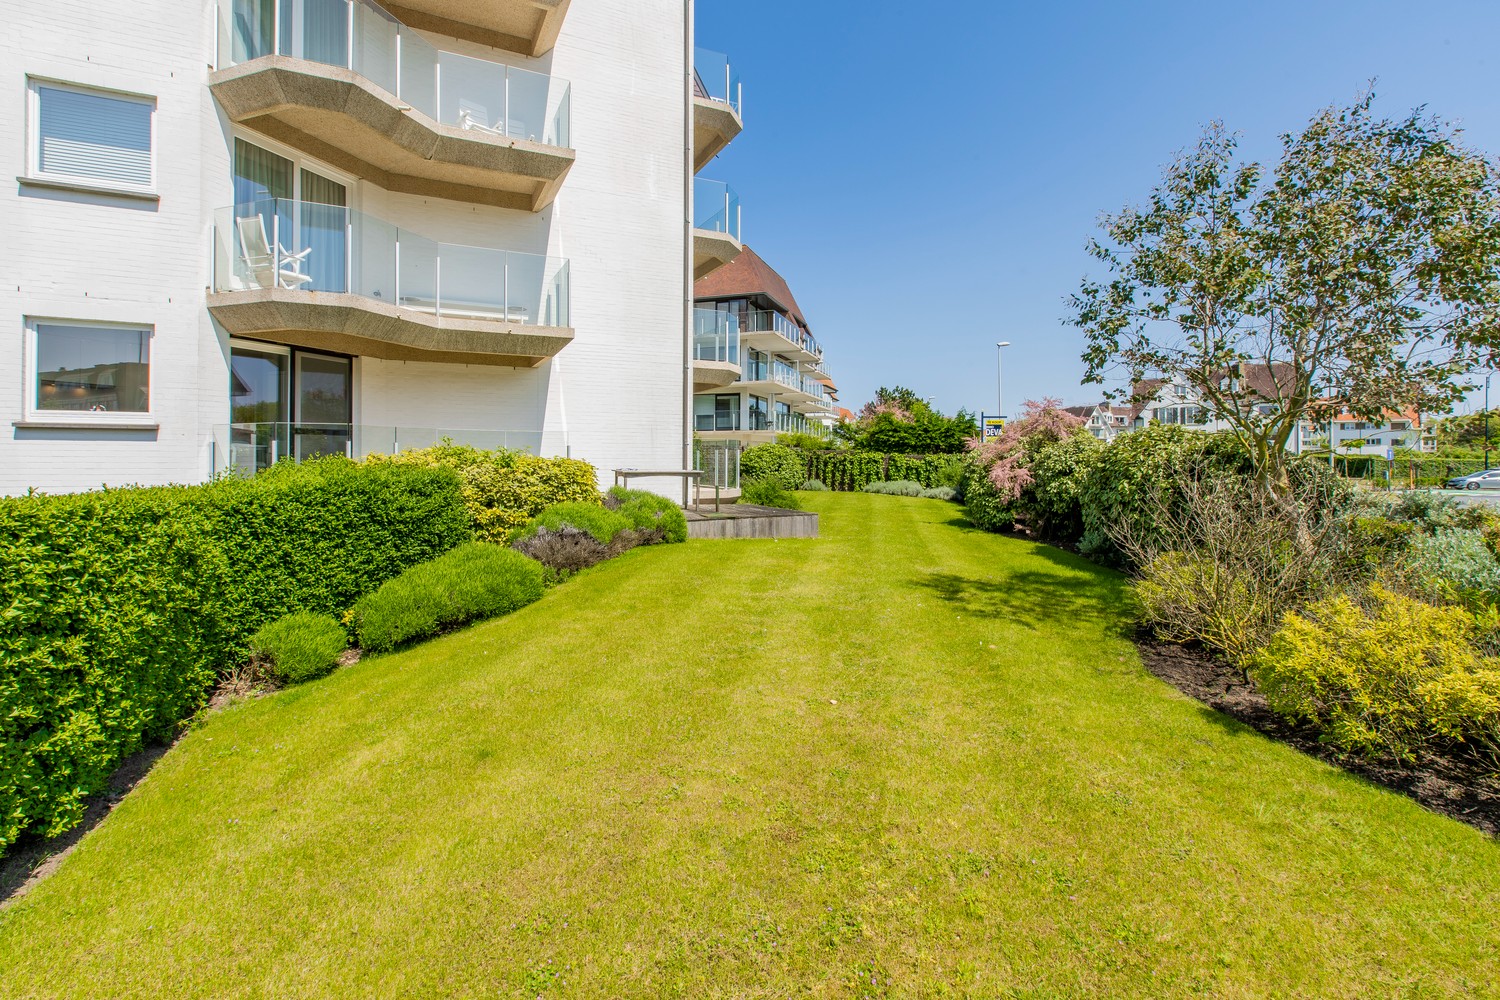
{"x":925,"y":175}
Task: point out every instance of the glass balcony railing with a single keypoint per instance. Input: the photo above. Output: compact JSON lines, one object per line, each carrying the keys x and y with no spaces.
{"x":250,"y":447}
{"x":488,"y":98}
{"x":717,"y":80}
{"x":716,"y":207}
{"x":716,"y":336}
{"x":766,"y":321}
{"x":308,"y":247}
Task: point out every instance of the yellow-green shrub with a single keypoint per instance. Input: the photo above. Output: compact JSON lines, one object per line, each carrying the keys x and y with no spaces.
{"x":1191,"y":597}
{"x":505,"y":489}
{"x":1385,"y":678}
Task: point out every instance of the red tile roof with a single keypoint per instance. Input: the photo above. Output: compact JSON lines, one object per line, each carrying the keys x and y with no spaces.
{"x":748,"y":275}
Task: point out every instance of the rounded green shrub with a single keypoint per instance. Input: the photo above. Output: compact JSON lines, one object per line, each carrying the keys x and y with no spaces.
{"x":604,"y":524}
{"x":1451,"y":557}
{"x":940,"y":493}
{"x":774,"y":462}
{"x":768,"y":493}
{"x":300,"y":647}
{"x":813,"y":486}
{"x":473,"y":582}
{"x":648,"y":512}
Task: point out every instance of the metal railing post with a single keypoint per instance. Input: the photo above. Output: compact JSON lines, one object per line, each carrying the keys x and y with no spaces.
{"x":349,"y":48}
{"x":505,"y":102}
{"x":437,"y":285}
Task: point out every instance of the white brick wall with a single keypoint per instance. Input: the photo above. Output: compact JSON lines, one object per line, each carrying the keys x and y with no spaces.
{"x":613,"y":397}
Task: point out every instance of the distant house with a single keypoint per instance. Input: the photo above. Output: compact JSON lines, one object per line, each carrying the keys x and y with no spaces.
{"x":1174,"y":402}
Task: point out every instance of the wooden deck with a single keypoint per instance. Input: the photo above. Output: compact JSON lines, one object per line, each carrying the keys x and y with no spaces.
{"x":744,"y":520}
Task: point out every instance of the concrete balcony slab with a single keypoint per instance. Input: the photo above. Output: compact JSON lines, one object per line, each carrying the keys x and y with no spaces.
{"x":529,"y":27}
{"x":358,"y":325}
{"x":342,"y":118}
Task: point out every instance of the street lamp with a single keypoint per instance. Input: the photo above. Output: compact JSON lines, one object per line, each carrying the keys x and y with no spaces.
{"x":1000,"y":378}
{"x":1487,"y":419}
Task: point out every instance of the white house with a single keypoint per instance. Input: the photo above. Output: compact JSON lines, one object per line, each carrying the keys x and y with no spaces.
{"x":250,"y":229}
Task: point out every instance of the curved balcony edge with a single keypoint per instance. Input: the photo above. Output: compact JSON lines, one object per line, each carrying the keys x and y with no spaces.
{"x":715,"y":125}
{"x":529,"y":27}
{"x":710,"y":375}
{"x":339,"y":116}
{"x":359,"y":325}
{"x":712,"y":250}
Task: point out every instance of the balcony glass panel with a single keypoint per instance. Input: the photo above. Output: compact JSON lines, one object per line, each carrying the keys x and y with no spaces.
{"x":487,"y":97}
{"x":716,"y":336}
{"x":716,"y":79}
{"x":765,"y":321}
{"x":716,"y":207}
{"x":303,"y":246}
{"x":247,"y":448}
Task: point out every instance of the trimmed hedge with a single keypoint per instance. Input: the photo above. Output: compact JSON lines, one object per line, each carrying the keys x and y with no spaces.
{"x":119,"y":607}
{"x":851,"y":471}
{"x":505,"y":489}
{"x":775,"y":463}
{"x":769,"y":493}
{"x":474,"y":581}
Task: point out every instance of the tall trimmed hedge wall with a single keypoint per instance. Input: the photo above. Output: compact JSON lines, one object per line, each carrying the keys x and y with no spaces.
{"x":118,"y":608}
{"x":849,"y":471}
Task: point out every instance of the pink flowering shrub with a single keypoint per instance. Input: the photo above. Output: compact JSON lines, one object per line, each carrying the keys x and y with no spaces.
{"x":1006,"y":457}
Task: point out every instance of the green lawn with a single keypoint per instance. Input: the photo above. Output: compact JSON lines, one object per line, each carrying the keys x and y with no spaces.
{"x":907,"y":759}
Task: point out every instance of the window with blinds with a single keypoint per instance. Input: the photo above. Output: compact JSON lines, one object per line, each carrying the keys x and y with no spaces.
{"x":92,"y":136}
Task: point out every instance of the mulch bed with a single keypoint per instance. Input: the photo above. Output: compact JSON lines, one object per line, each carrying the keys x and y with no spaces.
{"x":1456,"y":784}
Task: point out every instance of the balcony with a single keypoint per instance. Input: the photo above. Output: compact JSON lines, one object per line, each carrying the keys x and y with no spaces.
{"x":327,"y":278}
{"x":717,"y":99}
{"x":529,"y":27}
{"x":716,"y":226}
{"x":345,"y":81}
{"x":776,"y":334}
{"x":716,"y":349}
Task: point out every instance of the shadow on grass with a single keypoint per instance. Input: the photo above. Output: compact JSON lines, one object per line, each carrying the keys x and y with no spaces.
{"x":1035,"y":598}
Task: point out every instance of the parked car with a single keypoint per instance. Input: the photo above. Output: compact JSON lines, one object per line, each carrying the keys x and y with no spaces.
{"x":1489,"y":479}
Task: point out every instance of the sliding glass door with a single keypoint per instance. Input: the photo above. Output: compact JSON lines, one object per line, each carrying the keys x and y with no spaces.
{"x":286,"y":403}
{"x":324,"y":405}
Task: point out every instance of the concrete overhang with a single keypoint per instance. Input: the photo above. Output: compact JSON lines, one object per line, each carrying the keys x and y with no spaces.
{"x":342,"y":118}
{"x":773,"y":342}
{"x":712,"y":250}
{"x":715,"y":124}
{"x":529,"y":27}
{"x":711,"y":375}
{"x":355,"y":324}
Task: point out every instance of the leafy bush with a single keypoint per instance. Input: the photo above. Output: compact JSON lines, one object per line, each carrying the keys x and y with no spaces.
{"x":504,"y":489}
{"x":775,"y":463}
{"x":769,"y":493}
{"x":1053,"y":504}
{"x":1384,"y":679}
{"x":119,"y":607}
{"x":647,"y":513}
{"x":806,"y":442}
{"x":813,"y":486}
{"x":1452,"y":558}
{"x":300,"y":647}
{"x":602,"y":523}
{"x":1131,"y":484}
{"x":1239,"y":566}
{"x":983,"y":505}
{"x":898,"y":488}
{"x":940,"y":493}
{"x":474,"y":581}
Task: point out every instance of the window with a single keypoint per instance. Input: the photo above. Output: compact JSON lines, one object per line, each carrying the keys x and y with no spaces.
{"x":716,"y":413}
{"x":760,"y":418}
{"x":90,"y":368}
{"x":92,"y":137}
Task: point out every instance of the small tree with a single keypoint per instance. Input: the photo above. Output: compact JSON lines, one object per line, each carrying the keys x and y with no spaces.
{"x":1360,"y":275}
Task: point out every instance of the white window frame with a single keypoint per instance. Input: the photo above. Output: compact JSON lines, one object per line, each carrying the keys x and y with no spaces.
{"x":32,"y":388}
{"x":300,"y":161}
{"x":34,"y":172}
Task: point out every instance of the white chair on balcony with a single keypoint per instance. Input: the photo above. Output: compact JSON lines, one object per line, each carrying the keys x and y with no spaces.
{"x":261,"y":264}
{"x":475,"y":118}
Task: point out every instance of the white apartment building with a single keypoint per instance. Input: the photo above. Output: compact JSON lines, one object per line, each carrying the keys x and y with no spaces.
{"x":758,"y":370}
{"x":245,"y":230}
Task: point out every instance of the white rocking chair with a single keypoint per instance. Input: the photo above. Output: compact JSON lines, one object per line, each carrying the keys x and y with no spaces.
{"x":261,"y":264}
